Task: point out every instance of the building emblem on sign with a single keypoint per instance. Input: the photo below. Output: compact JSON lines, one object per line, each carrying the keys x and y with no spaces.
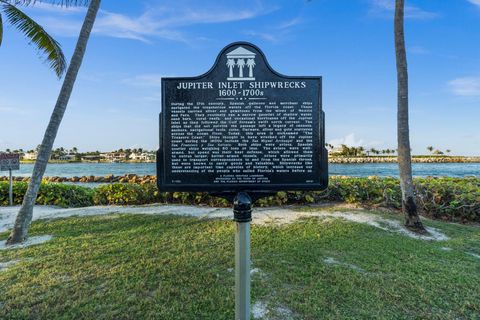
{"x":243,"y":61}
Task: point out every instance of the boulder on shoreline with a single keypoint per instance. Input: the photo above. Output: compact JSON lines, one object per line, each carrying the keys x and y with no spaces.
{"x":128,"y":178}
{"x":393,"y":159}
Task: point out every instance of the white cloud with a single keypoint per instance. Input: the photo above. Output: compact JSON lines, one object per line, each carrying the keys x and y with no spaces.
{"x":290,"y":23}
{"x":48,"y":7}
{"x":466,"y":87}
{"x":276,"y":33}
{"x":383,"y":7}
{"x":160,"y":22}
{"x":418,"y":50}
{"x":267,"y":36}
{"x":12,"y":110}
{"x":348,"y":140}
{"x":145,"y":80}
{"x":475,"y":2}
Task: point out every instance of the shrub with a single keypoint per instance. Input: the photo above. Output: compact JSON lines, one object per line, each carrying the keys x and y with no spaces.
{"x":63,"y":195}
{"x":453,"y":199}
{"x":125,"y":194}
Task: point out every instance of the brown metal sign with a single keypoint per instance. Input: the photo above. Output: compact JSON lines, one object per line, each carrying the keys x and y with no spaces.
{"x":9,"y":161}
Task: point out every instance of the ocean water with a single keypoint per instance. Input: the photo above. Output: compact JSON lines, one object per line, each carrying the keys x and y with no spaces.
{"x":357,"y":170}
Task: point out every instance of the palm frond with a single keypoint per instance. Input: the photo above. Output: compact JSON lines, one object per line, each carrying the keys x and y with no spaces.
{"x":1,"y":29}
{"x":63,"y":3}
{"x":38,"y":36}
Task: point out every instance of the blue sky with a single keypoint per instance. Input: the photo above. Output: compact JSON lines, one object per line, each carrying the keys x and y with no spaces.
{"x":116,"y":99}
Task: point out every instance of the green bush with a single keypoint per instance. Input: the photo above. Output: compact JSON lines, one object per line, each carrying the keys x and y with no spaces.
{"x":126,"y":194}
{"x":453,"y":199}
{"x":63,"y":195}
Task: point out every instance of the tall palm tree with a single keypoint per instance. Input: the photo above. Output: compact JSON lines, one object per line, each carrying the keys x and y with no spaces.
{"x":46,"y":45}
{"x":409,"y":207}
{"x":24,"y":217}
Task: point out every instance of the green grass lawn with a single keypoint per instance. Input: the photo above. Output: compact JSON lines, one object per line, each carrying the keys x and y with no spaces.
{"x":154,"y":267}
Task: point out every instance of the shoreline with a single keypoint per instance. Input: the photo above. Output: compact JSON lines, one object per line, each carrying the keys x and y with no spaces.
{"x":142,"y":179}
{"x":333,"y":160}
{"x":393,"y":159}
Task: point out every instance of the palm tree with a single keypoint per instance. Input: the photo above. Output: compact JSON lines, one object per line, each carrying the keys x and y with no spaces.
{"x":430,"y":148}
{"x":361,"y":150}
{"x":409,"y":207}
{"x":230,"y":65}
{"x":46,"y":45}
{"x":250,"y":65}
{"x":240,"y":65}
{"x":24,"y":217}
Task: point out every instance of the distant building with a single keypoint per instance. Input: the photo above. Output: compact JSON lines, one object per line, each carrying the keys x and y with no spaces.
{"x":335,"y":150}
{"x":94,"y":158}
{"x":67,"y":157}
{"x":30,"y":155}
{"x":115,"y":156}
{"x":144,"y":156}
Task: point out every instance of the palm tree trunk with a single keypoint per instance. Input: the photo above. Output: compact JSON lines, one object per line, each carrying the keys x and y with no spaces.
{"x":409,"y":207}
{"x":24,"y":217}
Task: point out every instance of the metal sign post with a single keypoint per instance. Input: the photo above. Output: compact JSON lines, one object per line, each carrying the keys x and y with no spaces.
{"x":10,"y":189}
{"x":242,"y":215}
{"x":9,"y":162}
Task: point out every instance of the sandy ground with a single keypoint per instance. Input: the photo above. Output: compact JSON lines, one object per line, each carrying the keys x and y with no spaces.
{"x":273,"y":215}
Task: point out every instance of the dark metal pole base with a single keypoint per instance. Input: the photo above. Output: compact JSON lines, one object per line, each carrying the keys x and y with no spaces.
{"x":242,"y":207}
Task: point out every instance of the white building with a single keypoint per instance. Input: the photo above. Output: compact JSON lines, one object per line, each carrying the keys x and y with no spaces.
{"x":335,"y":150}
{"x":144,"y":156}
{"x":30,"y":155}
{"x":115,"y":156}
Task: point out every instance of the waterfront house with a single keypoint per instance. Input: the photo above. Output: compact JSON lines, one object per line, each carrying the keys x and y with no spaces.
{"x":30,"y":155}
{"x":335,"y":150}
{"x":67,"y":157}
{"x":115,"y":156}
{"x":92,"y":158}
{"x":144,"y":156}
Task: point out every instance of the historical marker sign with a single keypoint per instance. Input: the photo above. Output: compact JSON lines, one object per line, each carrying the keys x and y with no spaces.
{"x":241,"y":127}
{"x":9,"y":161}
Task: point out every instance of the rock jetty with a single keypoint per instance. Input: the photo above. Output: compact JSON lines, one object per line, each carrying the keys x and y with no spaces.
{"x":380,"y":159}
{"x":128,"y":178}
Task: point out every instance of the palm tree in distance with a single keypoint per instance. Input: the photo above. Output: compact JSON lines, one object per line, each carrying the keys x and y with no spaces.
{"x":250,"y":65}
{"x":409,"y":207}
{"x":430,"y":148}
{"x":230,"y":65}
{"x":361,"y":150}
{"x":45,"y":44}
{"x":22,"y":222}
{"x":240,"y":65}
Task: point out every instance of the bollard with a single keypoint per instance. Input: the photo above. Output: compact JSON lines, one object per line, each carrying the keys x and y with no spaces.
{"x":242,"y":215}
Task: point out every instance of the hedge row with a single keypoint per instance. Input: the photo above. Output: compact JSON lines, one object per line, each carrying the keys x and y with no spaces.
{"x":453,"y":199}
{"x":57,"y":194}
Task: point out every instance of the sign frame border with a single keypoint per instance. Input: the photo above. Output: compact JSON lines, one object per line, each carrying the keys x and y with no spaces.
{"x":234,"y":188}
